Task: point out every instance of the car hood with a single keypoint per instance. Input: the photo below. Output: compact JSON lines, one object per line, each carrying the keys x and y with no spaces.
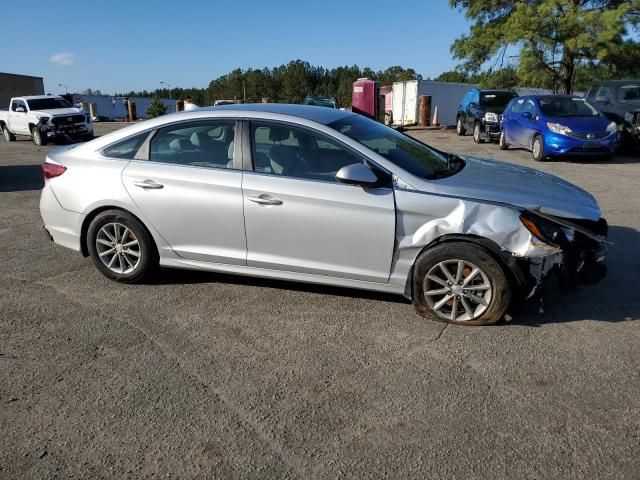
{"x":58,"y":112}
{"x":505,"y":183}
{"x":582,"y":124}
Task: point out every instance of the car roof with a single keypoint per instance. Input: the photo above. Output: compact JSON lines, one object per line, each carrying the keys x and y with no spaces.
{"x":38,"y":97}
{"x":322,"y":115}
{"x":547,"y":97}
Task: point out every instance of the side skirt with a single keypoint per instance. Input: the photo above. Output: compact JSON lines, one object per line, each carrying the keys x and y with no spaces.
{"x":281,"y":275}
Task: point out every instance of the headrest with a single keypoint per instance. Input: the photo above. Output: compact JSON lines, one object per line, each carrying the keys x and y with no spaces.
{"x":179,"y":144}
{"x":278,"y":134}
{"x":230,"y":151}
{"x":199,"y":139}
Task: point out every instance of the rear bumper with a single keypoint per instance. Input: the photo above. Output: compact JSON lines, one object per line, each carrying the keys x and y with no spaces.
{"x":64,"y":227}
{"x":491,"y":131}
{"x":558,"y":145}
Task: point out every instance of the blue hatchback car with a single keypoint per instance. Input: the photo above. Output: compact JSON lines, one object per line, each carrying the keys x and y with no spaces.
{"x":557,"y":125}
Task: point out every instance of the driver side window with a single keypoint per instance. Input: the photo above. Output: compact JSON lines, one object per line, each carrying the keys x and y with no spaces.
{"x":284,"y":150}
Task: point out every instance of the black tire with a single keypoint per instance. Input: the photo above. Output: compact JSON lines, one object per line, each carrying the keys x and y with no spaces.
{"x":38,"y":136}
{"x":502,"y":141}
{"x":88,"y":137}
{"x":477,"y":133}
{"x":8,"y":136}
{"x":538,"y":154}
{"x":460,"y":130}
{"x":501,"y":289}
{"x":148,"y":254}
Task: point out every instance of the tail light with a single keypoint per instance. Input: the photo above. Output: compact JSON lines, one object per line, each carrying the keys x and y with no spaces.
{"x":52,"y":170}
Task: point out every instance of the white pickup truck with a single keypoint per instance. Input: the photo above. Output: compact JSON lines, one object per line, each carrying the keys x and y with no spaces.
{"x":45,"y":118}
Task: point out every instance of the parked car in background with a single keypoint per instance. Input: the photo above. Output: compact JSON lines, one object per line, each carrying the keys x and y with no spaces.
{"x":45,"y":118}
{"x":558,"y":125}
{"x":480,"y":112}
{"x":319,"y":101}
{"x":323,"y":196}
{"x":619,"y":100}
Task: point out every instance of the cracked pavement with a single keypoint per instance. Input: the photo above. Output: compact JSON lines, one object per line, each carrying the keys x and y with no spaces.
{"x":201,"y":375}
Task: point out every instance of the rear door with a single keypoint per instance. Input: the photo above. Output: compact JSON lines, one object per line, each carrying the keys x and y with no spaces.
{"x":300,"y":219}
{"x":190,"y":190}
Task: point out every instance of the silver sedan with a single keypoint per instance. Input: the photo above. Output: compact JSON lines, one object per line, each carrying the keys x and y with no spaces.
{"x":323,"y":196}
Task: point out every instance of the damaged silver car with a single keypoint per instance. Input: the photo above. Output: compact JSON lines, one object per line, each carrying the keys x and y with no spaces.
{"x":323,"y":196}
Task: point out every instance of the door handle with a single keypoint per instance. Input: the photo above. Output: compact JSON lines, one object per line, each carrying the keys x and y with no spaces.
{"x":148,"y":184}
{"x":265,"y":200}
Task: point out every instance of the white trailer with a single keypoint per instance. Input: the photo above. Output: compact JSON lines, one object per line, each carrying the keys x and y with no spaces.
{"x":444,"y":95}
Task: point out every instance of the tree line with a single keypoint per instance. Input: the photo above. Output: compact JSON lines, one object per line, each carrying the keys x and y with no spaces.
{"x":288,"y":83}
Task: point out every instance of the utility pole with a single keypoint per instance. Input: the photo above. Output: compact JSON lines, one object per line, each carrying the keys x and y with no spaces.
{"x":66,"y":90}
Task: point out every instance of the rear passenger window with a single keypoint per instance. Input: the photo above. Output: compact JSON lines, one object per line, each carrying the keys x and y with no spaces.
{"x":126,"y":149}
{"x":197,"y":144}
{"x":296,"y":152}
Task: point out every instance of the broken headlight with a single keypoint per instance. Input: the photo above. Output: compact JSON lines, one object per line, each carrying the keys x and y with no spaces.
{"x":543,"y":229}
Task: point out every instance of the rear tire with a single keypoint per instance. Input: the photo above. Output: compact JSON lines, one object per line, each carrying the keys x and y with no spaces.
{"x":39,"y":138}
{"x":120,"y":247}
{"x":477,"y":133}
{"x":460,"y":130}
{"x":8,"y":136}
{"x":502,"y":141}
{"x":465,"y":300}
{"x":537,"y":149}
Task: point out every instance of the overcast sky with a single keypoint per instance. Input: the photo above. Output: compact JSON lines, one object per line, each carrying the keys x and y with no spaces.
{"x":133,"y":45}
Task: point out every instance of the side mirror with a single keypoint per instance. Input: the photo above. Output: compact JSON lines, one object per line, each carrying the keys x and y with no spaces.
{"x":20,"y":109}
{"x":357,"y":174}
{"x":603,"y":99}
{"x":527,"y":115}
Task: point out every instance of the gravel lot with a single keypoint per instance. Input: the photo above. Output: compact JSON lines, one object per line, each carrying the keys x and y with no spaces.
{"x":211,"y":376}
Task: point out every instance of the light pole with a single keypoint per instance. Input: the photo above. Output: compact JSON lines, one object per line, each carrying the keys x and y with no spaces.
{"x":66,"y":90}
{"x":168,"y":86}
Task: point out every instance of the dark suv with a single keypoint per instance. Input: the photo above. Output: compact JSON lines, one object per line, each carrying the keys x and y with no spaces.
{"x":619,"y":100}
{"x":480,"y":111}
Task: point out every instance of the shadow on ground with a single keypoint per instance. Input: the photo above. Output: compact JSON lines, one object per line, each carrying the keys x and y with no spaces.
{"x":17,"y":178}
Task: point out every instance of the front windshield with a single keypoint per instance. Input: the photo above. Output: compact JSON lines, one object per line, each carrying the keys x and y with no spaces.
{"x":496,"y":99}
{"x":320,"y":102}
{"x":567,"y":107}
{"x":409,"y":154}
{"x":629,"y":92}
{"x":48,"y":103}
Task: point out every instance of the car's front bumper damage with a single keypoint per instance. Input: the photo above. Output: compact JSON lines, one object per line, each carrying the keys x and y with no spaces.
{"x":575,"y":258}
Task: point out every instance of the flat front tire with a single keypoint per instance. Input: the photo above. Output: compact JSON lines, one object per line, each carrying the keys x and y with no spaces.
{"x":460,"y":283}
{"x":120,"y":247}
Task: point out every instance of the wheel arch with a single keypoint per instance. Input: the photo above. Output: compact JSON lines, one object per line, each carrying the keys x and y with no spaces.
{"x":507,"y":262}
{"x":84,"y":250}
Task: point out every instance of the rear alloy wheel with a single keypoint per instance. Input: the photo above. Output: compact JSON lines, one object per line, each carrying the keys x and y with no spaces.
{"x":502,"y":142}
{"x":38,"y":137}
{"x":460,"y":283}
{"x":120,"y":247}
{"x":460,"y":130}
{"x":8,"y":136}
{"x":537,"y":148}
{"x":477,"y":133}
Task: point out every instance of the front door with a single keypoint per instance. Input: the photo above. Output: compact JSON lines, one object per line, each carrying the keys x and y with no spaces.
{"x":300,"y":219}
{"x":190,"y":190}
{"x":18,"y":120}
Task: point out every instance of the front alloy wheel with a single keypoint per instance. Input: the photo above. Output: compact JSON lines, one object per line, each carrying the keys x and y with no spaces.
{"x":477,"y":133}
{"x":537,"y":149}
{"x":461,"y":283}
{"x":460,"y":130}
{"x":457,"y":290}
{"x":38,"y":137}
{"x":8,"y":136}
